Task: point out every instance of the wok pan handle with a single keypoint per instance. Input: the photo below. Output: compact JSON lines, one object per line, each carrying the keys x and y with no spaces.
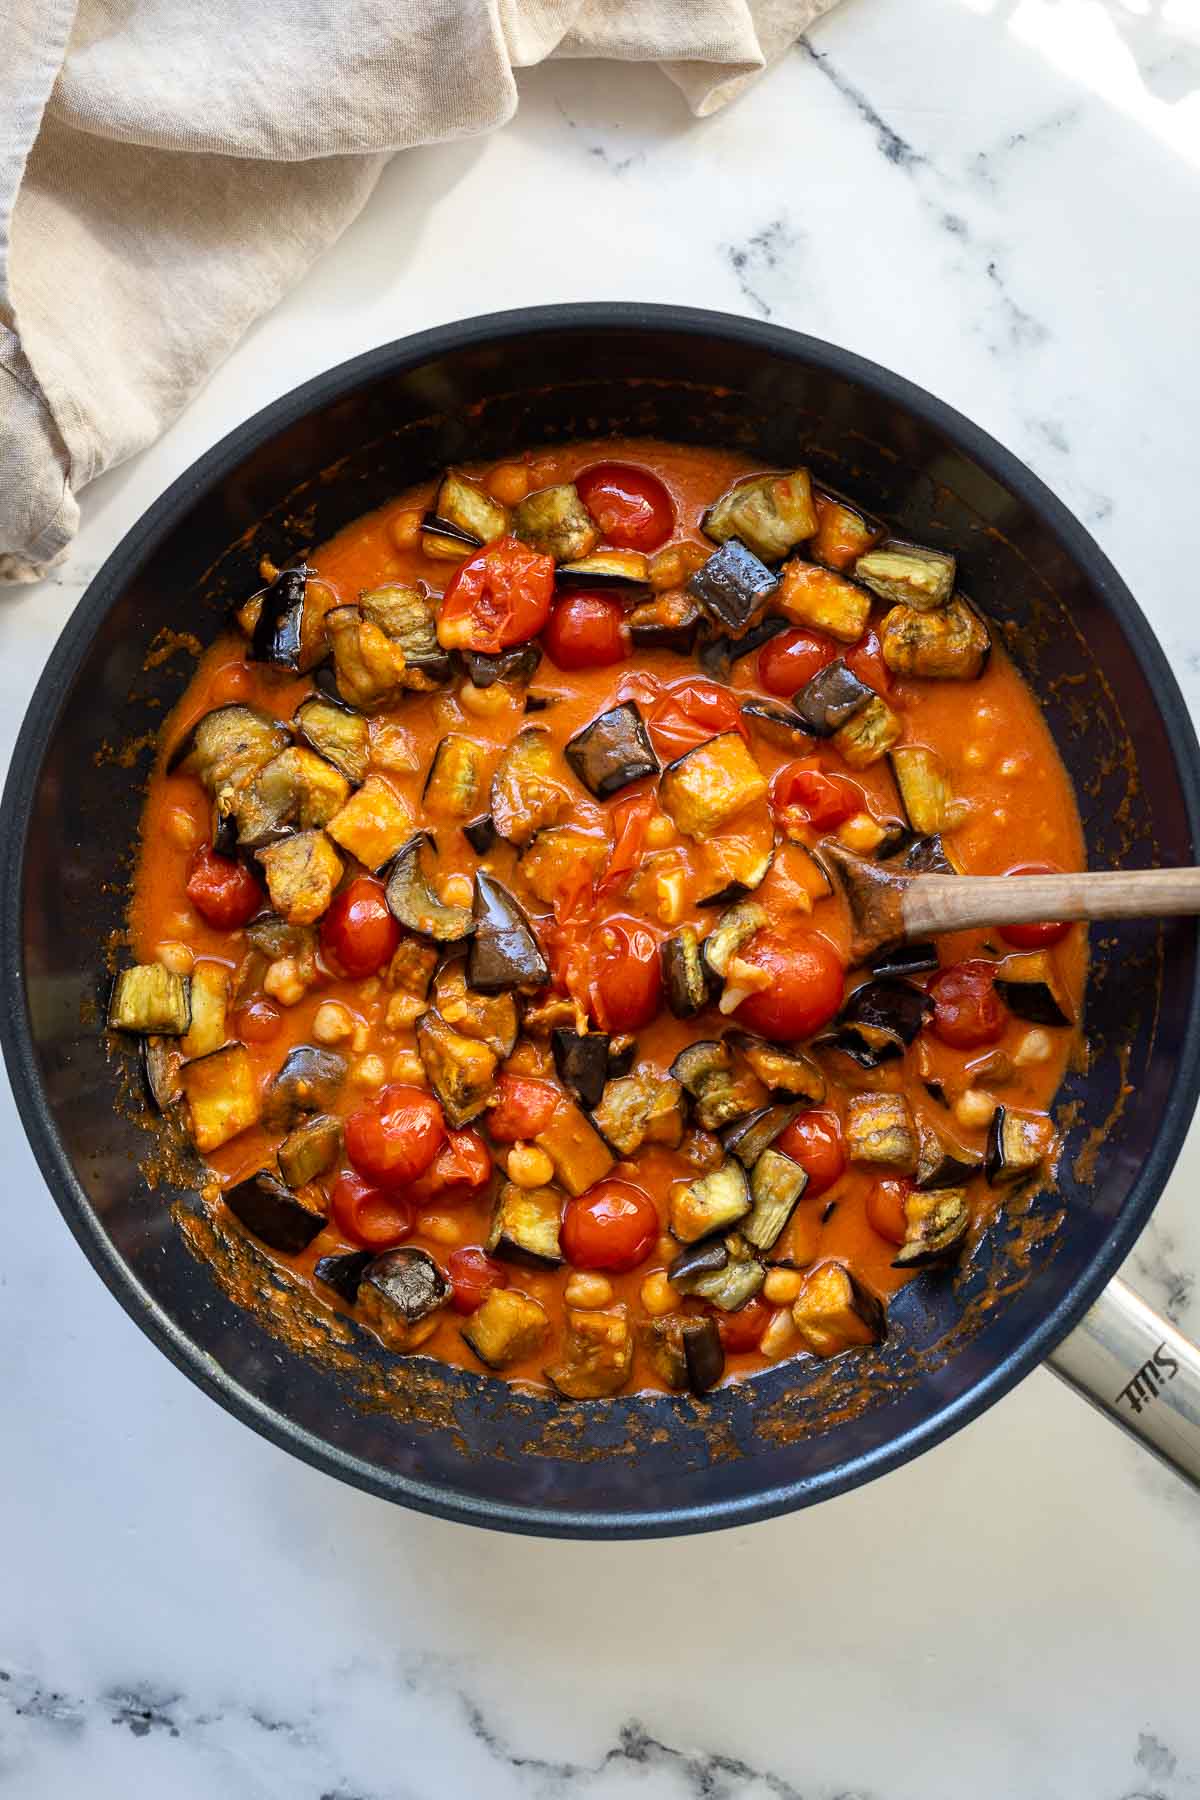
{"x":1134,"y":1366}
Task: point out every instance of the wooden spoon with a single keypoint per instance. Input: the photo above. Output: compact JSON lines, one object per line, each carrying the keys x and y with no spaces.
{"x":889,"y":908}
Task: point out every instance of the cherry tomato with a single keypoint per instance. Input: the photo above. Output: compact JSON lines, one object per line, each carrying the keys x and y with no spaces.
{"x":358,"y":931}
{"x":257,"y":1021}
{"x":786,"y":662}
{"x":966,"y":1008}
{"x":814,"y":1140}
{"x":805,"y":990}
{"x":803,"y":793}
{"x":459,"y":1171}
{"x":587,"y":631}
{"x":885,"y":1209}
{"x":368,"y":1215}
{"x":524,"y":1107}
{"x":632,"y":507}
{"x":1041,"y":936}
{"x":614,"y":1225}
{"x":473,"y":1275}
{"x":394,"y":1136}
{"x":742,"y":1330}
{"x":499,"y":596}
{"x":625,"y":989}
{"x":689,"y":713}
{"x":223,"y":891}
{"x":630,"y":815}
{"x":866,"y":661}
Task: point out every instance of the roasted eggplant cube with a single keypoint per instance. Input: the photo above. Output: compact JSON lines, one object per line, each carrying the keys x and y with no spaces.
{"x":209,"y":993}
{"x":908,"y":574}
{"x":771,"y":514}
{"x":712,"y":1203}
{"x":778,"y":726}
{"x":505,"y":952}
{"x":843,"y":533}
{"x":704,"y":1354}
{"x":505,"y":1328}
{"x":1018,"y":1145}
{"x":668,"y":622}
{"x":625,"y":571}
{"x":465,"y":505}
{"x":831,"y":698}
{"x":835,"y":1312}
{"x":662,"y":1345}
{"x":285,"y":1220}
{"x":905,"y":960}
{"x":400,"y":1296}
{"x":556,"y":522}
{"x":612,"y":751}
{"x":950,"y":645}
{"x":278,"y":634}
{"x":336,"y":732}
{"x":640,"y":1109}
{"x":459,"y":1069}
{"x":481,"y":834}
{"x":529,"y":788}
{"x":733,"y":587}
{"x":729,"y":1286}
{"x":412,"y":901}
{"x":308,"y":1081}
{"x":880,"y":1131}
{"x":370,"y":670}
{"x":869,"y":735}
{"x":581,"y":1059}
{"x":942,"y":1164}
{"x":301,"y":873}
{"x":719,"y":651}
{"x":732,"y":933}
{"x":221,"y":1093}
{"x":928,"y":856}
{"x":776,"y":1184}
{"x":823,"y":601}
{"x":310,"y":1149}
{"x":555,"y":857}
{"x":1029,"y":987}
{"x":936,"y":1224}
{"x":150,"y":998}
{"x":492,"y":1018}
{"x":711,"y":785}
{"x":886,"y":1011}
{"x":685,"y":978}
{"x":454,"y":785}
{"x":297,"y":787}
{"x":373,"y":824}
{"x":514,"y":666}
{"x":524,"y":1226}
{"x":757,"y":1132}
{"x":789,"y":1074}
{"x":923,"y":786}
{"x":597,"y":1355}
{"x":720,"y":1091}
{"x":227,"y":746}
{"x":579,"y":1154}
{"x":162,"y":1071}
{"x":408,"y":618}
{"x":344,"y":1272}
{"x":740,"y":861}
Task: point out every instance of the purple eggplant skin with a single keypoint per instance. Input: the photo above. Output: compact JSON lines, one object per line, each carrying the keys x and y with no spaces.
{"x":505,"y":952}
{"x":906,"y":960}
{"x":480,"y":834}
{"x":612,"y":751}
{"x":733,"y":586}
{"x":344,"y":1273}
{"x":279,"y":627}
{"x":699,"y":1259}
{"x":704,"y":1354}
{"x":273,"y":1213}
{"x":517,"y":664}
{"x":831,"y":697}
{"x":719,"y":653}
{"x":581,"y":1060}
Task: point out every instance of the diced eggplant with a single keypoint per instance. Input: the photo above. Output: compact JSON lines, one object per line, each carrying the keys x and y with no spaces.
{"x":556,"y":522}
{"x":373,"y":824}
{"x":923,"y":786}
{"x":459,"y":1069}
{"x":880,"y":1131}
{"x":537,"y":703}
{"x":928,"y":856}
{"x":369,"y":668}
{"x":942,"y":1164}
{"x":285,"y":1220}
{"x":524,"y":1226}
{"x":344,"y":1272}
{"x":640,"y":1109}
{"x":464,"y":504}
{"x":555,"y":858}
{"x":728,"y":1285}
{"x":455,"y":780}
{"x":936,"y":1226}
{"x":505,"y":952}
{"x":279,"y":636}
{"x":273,"y":937}
{"x":308,"y":1081}
{"x":732,"y":933}
{"x":778,"y":726}
{"x":1029,"y":987}
{"x":950,"y":645}
{"x":712,"y":1203}
{"x":624,"y":571}
{"x":771,"y":514}
{"x":400,"y":1296}
{"x":823,"y":601}
{"x":701,"y":1151}
{"x":685,"y":978}
{"x":224,"y":817}
{"x":480,"y":834}
{"x":597,"y":1355}
{"x":408,"y":618}
{"x":708,"y":1257}
{"x":301,"y":873}
{"x":209,"y":995}
{"x":789,"y":1074}
{"x":720,"y":1090}
{"x":719,"y":651}
{"x":749,"y":1137}
{"x":411,"y":968}
{"x":336,"y":732}
{"x":835,"y":1312}
{"x":506,"y":1328}
{"x":581,"y":1059}
{"x":152,"y":999}
{"x":162,"y":1065}
{"x":221,"y":1092}
{"x":1018,"y":1144}
{"x":703,"y":1353}
{"x":920,"y":578}
{"x":743,"y":862}
{"x":514,"y":666}
{"x":445,"y":542}
{"x":733,"y":587}
{"x":869,"y":735}
{"x":412,"y":901}
{"x":579,"y":1154}
{"x":878,"y":1021}
{"x":296,"y":788}
{"x":831,"y":698}
{"x":228,"y":745}
{"x":542,"y":1015}
{"x":529,"y":791}
{"x":491,"y":1018}
{"x":310,"y":1149}
{"x":668,"y":622}
{"x":776,"y":1184}
{"x":905,"y":960}
{"x":662,"y":1342}
{"x":711,"y":784}
{"x":844,"y":532}
{"x":621,"y":1053}
{"x":613,"y":751}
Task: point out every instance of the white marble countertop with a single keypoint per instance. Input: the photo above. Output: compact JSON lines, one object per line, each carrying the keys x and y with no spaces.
{"x":998,"y":198}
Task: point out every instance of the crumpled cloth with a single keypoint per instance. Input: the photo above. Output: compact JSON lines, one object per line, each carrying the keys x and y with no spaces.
{"x":169,"y":169}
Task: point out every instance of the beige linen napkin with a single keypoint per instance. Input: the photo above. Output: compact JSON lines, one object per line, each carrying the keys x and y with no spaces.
{"x":168,"y":170}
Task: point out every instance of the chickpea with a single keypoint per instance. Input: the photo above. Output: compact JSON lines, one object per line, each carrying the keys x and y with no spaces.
{"x":406,"y":529}
{"x":371,"y":988}
{"x":369,"y":1072}
{"x":782,"y":1286}
{"x":657,"y":1294}
{"x":175,"y":956}
{"x":361,"y":1037}
{"x":667,"y":1248}
{"x":659,"y":832}
{"x":974,"y":1108}
{"x":588,"y":1291}
{"x":407,"y":1066}
{"x":440,"y":1228}
{"x":666,"y":569}
{"x":456,"y":890}
{"x":1036,"y":1046}
{"x":508,"y":483}
{"x":283,"y":981}
{"x":332,"y":1022}
{"x":528,"y":1166}
{"x":182,"y":828}
{"x":487,"y":702}
{"x":404,"y":1009}
{"x":861,"y":833}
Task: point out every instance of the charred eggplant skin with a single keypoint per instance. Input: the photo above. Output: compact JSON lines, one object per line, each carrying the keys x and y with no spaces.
{"x":505,"y":952}
{"x":273,"y":1213}
{"x":581,"y":1059}
{"x":733,"y":586}
{"x":411,"y":899}
{"x":613,"y":751}
{"x":685,"y":976}
{"x":278,"y":629}
{"x":344,"y":1273}
{"x":831,"y":698}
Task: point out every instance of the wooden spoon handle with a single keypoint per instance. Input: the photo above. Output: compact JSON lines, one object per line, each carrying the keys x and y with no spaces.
{"x":934,"y":903}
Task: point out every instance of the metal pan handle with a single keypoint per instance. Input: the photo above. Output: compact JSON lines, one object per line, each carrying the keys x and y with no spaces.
{"x":1135,"y":1366}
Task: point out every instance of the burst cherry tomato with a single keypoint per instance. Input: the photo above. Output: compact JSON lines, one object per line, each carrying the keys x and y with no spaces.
{"x":499,"y":596}
{"x":473,"y":1275}
{"x":368,"y":1215}
{"x":358,"y":931}
{"x":786,"y":662}
{"x":223,"y":891}
{"x":524,"y":1106}
{"x":814,"y":1140}
{"x":802,"y":793}
{"x":689,"y":713}
{"x":394,"y":1136}
{"x":625,"y":989}
{"x":966,"y":1008}
{"x":805,"y":990}
{"x":632,"y":507}
{"x":614,"y":1225}
{"x":866,"y":661}
{"x":257,"y":1021}
{"x":742,"y":1330}
{"x":1040,"y":936}
{"x":587,"y":631}
{"x":885,"y":1209}
{"x":631,"y":816}
{"x":461,"y":1169}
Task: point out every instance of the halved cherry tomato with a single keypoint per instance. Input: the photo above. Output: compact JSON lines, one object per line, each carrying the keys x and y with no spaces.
{"x":358,"y":931}
{"x":461,"y":1169}
{"x":630,"y":816}
{"x":803,"y":793}
{"x":625,"y":986}
{"x":614,"y":1225}
{"x":866,"y":661}
{"x":473,"y":1274}
{"x":742,"y":1330}
{"x":368,"y":1215}
{"x":967,"y":1010}
{"x":786,"y":662}
{"x":1040,"y":936}
{"x":814,"y":1140}
{"x":524,"y":1107}
{"x":394,"y":1136}
{"x":689,"y":713}
{"x":885,"y":1209}
{"x":587,"y":631}
{"x":257,"y":1021}
{"x":499,"y":596}
{"x":223,"y":891}
{"x":631,"y":506}
{"x":805,"y":990}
